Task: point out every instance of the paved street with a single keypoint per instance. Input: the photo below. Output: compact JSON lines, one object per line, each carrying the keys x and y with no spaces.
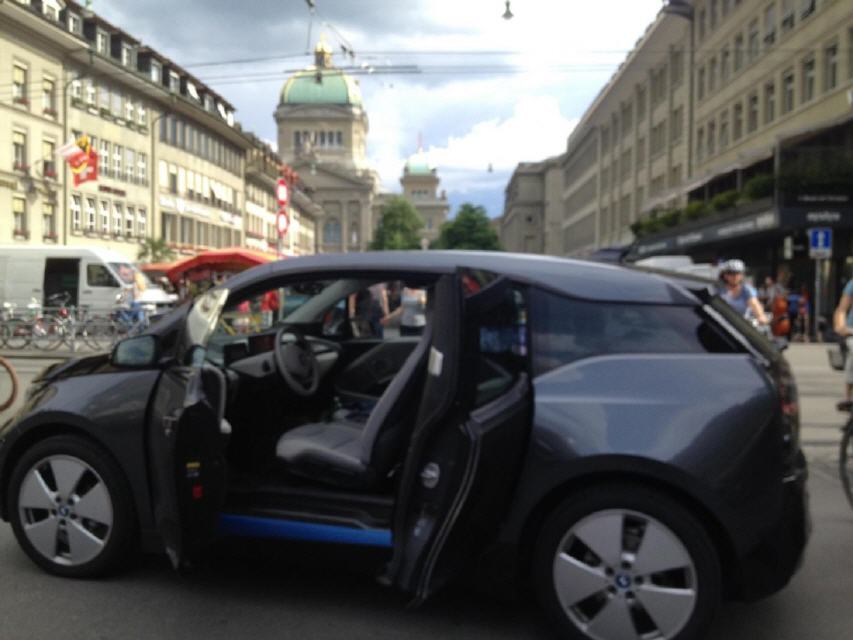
{"x":317,"y":594}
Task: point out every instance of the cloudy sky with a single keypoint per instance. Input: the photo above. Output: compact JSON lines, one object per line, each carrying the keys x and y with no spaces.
{"x":489,"y":92}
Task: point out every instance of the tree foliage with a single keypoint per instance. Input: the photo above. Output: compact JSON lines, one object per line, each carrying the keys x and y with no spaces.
{"x":155,"y":250}
{"x":470,"y":229}
{"x":399,"y":227}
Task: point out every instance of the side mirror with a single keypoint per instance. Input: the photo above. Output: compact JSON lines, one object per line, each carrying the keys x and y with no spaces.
{"x":135,"y":352}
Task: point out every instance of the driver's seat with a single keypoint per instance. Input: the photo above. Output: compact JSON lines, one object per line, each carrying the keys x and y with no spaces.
{"x":352,"y":454}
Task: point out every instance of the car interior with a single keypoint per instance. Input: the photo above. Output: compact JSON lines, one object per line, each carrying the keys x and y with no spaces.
{"x":317,"y":399}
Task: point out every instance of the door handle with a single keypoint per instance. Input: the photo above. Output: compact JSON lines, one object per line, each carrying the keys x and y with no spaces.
{"x":87,"y":291}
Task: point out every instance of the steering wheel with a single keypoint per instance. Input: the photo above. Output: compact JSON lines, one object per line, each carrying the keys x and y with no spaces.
{"x":296,"y":362}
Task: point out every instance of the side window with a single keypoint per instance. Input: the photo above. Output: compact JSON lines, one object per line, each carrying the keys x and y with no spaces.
{"x":565,"y":330}
{"x":501,"y":337}
{"x":97,"y":275}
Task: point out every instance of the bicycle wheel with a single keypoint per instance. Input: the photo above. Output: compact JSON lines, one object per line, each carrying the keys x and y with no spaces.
{"x":9,"y":384}
{"x":47,"y":333}
{"x":99,"y":334}
{"x":18,"y":334}
{"x":845,"y":461}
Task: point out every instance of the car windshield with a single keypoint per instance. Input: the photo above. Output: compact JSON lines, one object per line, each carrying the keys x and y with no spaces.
{"x":124,"y":270}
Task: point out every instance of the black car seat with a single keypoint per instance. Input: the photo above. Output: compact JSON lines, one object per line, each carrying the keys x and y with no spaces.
{"x":352,"y":454}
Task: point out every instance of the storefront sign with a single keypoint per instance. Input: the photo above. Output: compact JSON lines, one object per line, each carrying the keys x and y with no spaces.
{"x":231,"y":219}
{"x":184,"y":206}
{"x":714,"y":233}
{"x":255,"y":243}
{"x":116,"y":192}
{"x":829,"y":217}
{"x":823,"y":197}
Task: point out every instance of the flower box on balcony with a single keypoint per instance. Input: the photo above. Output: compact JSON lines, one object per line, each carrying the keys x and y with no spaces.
{"x":131,"y":125}
{"x":22,"y":234}
{"x":106,"y":113}
{"x":50,"y":237}
{"x":77,"y":102}
{"x":18,"y":166}
{"x":50,"y":113}
{"x":50,"y":173}
{"x":21,"y":101}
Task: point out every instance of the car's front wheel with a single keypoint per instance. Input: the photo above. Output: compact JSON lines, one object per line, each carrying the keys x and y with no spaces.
{"x":622,"y":563}
{"x":71,"y":509}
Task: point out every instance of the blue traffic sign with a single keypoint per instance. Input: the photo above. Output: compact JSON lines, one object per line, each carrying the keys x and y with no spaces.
{"x":820,"y":242}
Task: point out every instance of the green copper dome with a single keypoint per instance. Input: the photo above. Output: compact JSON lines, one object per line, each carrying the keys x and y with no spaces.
{"x":321,"y":83}
{"x":417,"y":165}
{"x":334,"y":87}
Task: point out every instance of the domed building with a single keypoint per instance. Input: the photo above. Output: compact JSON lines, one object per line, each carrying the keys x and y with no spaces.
{"x":322,"y":133}
{"x":420,"y":184}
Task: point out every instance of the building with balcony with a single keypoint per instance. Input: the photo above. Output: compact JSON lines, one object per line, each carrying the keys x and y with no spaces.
{"x":171,"y":156}
{"x":726,"y":132}
{"x":773,"y":141}
{"x":31,"y":128}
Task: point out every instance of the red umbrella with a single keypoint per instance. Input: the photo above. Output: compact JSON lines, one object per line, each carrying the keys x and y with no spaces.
{"x":230,"y":260}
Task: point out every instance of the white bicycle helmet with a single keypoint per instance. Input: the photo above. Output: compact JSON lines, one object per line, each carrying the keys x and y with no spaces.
{"x":733,"y":266}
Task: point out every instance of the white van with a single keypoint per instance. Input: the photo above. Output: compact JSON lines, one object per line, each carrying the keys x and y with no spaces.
{"x":93,"y":277}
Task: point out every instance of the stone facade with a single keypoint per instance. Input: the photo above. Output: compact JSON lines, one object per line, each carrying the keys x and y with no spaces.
{"x":531,"y":221}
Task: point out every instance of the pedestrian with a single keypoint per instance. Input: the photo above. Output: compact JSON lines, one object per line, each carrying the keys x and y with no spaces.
{"x":269,"y":307}
{"x":737,"y":293}
{"x":368,"y":307}
{"x":842,"y":322}
{"x":412,"y":312}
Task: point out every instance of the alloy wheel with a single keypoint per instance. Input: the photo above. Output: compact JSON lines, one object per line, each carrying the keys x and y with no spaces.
{"x":66,"y":510}
{"x":623,"y":574}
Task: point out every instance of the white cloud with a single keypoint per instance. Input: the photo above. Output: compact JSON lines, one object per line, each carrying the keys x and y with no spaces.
{"x":535,"y":131}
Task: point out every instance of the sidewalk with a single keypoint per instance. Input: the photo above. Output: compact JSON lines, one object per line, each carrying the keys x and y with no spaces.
{"x":820,"y":387}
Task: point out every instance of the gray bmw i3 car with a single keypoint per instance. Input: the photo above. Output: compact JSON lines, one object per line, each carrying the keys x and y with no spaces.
{"x":620,"y":442}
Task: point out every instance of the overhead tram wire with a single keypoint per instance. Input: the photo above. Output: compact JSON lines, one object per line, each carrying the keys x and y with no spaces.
{"x":34,"y":93}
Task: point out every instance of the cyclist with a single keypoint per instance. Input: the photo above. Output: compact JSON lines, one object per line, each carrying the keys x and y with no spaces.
{"x":842,"y":322}
{"x":742,"y":297}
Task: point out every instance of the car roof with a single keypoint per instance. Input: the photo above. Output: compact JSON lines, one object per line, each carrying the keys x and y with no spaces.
{"x":577,"y":278}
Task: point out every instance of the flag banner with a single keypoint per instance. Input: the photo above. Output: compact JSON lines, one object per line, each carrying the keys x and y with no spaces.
{"x":82,"y":159}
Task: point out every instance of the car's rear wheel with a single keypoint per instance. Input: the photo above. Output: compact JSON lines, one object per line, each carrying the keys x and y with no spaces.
{"x":624,"y":562}
{"x":71,"y":509}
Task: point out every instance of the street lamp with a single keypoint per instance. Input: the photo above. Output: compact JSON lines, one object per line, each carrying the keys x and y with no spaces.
{"x":508,"y":15}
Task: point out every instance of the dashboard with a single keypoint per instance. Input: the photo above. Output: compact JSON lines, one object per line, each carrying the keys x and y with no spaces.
{"x":254,"y":356}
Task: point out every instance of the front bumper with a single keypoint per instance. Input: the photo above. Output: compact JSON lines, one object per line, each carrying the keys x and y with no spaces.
{"x":772,"y":563}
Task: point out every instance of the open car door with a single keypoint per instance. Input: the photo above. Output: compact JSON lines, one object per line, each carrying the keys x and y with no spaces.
{"x":186,"y":445}
{"x":467,"y":447}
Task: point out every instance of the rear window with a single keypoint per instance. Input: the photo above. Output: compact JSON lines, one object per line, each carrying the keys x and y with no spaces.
{"x":757,"y":341}
{"x":564,"y":330}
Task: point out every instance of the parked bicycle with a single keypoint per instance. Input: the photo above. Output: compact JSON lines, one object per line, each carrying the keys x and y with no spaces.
{"x":59,"y":325}
{"x":20,"y":331}
{"x":845,"y":458}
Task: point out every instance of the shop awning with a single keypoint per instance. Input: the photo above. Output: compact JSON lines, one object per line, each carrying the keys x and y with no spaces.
{"x":219,"y":260}
{"x":156,"y":267}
